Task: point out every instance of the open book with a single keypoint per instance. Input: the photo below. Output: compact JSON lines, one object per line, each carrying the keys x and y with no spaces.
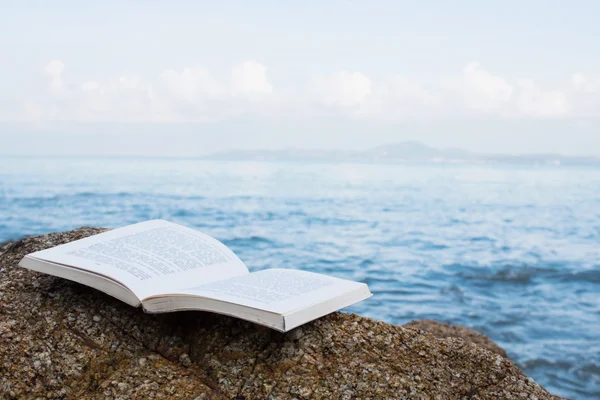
{"x":167,"y":267}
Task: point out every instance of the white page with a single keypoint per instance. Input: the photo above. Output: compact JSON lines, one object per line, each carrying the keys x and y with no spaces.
{"x":151,"y":257}
{"x":276,"y":290}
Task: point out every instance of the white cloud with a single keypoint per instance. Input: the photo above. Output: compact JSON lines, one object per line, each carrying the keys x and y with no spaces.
{"x":54,"y":70}
{"x":191,"y":84}
{"x":586,"y":96}
{"x":402,"y":98}
{"x":194,"y":94}
{"x":586,"y":83}
{"x":346,"y":89}
{"x":534,"y":101}
{"x":250,"y":79}
{"x":485,"y":91}
{"x":130,"y":81}
{"x":90,"y":85}
{"x":34,"y":112}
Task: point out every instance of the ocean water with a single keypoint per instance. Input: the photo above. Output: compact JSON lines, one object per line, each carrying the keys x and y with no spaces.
{"x":513,"y":252}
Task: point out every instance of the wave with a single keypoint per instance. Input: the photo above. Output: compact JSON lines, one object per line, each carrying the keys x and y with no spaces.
{"x":579,"y":377}
{"x":482,"y":239}
{"x":523,"y":274}
{"x":590,"y":276}
{"x":334,"y":221}
{"x":182,"y":213}
{"x":250,"y":241}
{"x":99,"y":195}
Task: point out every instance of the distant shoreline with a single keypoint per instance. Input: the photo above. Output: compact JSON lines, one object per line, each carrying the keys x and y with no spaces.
{"x":393,"y":153}
{"x":404,"y":153}
{"x":491,"y":163}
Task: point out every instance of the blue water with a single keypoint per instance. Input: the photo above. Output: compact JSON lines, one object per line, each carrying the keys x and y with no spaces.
{"x":511,"y":252}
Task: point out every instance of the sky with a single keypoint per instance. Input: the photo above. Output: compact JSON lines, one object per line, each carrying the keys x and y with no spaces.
{"x":188,"y":78}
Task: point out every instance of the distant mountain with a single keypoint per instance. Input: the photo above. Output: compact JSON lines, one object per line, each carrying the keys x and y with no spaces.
{"x":416,"y":151}
{"x":289,"y":154}
{"x":404,"y":152}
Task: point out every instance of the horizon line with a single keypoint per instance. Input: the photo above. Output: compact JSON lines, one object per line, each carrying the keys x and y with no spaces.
{"x":308,"y":149}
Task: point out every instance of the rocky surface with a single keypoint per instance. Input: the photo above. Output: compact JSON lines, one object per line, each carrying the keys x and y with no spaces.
{"x":4,"y":246}
{"x":62,"y":340}
{"x":442,"y":331}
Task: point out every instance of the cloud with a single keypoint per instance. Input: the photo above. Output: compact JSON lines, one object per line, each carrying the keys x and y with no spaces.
{"x":483,"y":90}
{"x":250,"y":79}
{"x":176,"y":95}
{"x":54,"y":70}
{"x":90,"y":85}
{"x":533,"y":101}
{"x":191,"y":84}
{"x":586,"y":83}
{"x":401,"y":98}
{"x":587,"y":93}
{"x":195,"y":94}
{"x":346,"y":89}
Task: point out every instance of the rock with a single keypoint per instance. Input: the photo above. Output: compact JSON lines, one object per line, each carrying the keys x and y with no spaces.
{"x":442,"y":331}
{"x":52,"y":347}
{"x":4,"y":246}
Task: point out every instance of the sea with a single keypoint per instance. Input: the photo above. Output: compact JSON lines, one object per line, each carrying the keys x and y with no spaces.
{"x":510,"y":251}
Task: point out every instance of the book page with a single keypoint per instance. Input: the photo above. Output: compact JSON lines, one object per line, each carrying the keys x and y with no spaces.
{"x":151,"y":257}
{"x":276,"y":290}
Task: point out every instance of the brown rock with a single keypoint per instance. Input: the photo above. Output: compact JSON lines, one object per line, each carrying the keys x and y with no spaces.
{"x":442,"y":331}
{"x":4,"y":246}
{"x":59,"y":339}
